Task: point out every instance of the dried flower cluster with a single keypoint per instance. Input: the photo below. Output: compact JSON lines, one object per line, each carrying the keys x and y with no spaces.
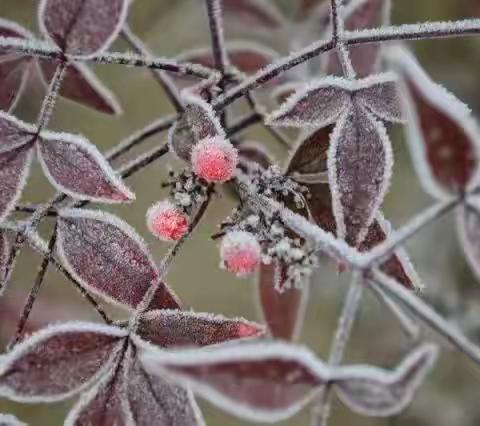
{"x":324,"y":201}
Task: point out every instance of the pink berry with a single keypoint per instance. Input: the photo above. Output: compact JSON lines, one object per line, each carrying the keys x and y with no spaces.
{"x":240,"y":253}
{"x":214,"y":159}
{"x":167,"y":222}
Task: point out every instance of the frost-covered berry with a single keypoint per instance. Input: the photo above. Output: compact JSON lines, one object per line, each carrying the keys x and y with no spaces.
{"x":240,"y":253}
{"x":167,"y":222}
{"x":214,"y":159}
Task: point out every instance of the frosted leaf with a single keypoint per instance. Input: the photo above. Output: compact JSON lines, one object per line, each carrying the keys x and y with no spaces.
{"x":468,"y":226}
{"x":360,"y":167}
{"x":109,"y":258}
{"x":379,"y":393}
{"x":197,"y":122}
{"x":83,"y":86}
{"x":258,"y":382}
{"x":167,"y":328}
{"x":82,"y":27}
{"x":382,"y":97}
{"x":360,"y":15}
{"x":398,"y":265}
{"x":317,"y":104}
{"x":105,"y":403}
{"x":441,"y":132}
{"x":245,"y":56}
{"x":76,"y":167}
{"x":14,"y":68}
{"x":14,"y":133}
{"x":319,"y":205}
{"x":58,"y":361}
{"x":153,"y":400}
{"x":9,"y":420}
{"x":310,"y":155}
{"x":14,"y":170}
{"x":252,"y":14}
{"x":282,"y":311}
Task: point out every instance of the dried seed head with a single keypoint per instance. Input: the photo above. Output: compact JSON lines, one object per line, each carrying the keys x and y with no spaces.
{"x":167,"y":222}
{"x":240,"y":253}
{"x":214,"y":159}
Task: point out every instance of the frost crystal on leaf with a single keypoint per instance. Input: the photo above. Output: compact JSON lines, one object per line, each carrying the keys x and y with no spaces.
{"x":360,"y":166}
{"x":442,"y":134}
{"x":171,"y":329}
{"x":374,"y":392}
{"x":76,"y":167}
{"x":109,"y":258}
{"x":82,"y":27}
{"x":317,"y":104}
{"x":58,"y":362}
{"x":273,"y":381}
{"x":152,"y":397}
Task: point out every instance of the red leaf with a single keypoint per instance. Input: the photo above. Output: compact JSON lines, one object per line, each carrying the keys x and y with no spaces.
{"x":311,"y":157}
{"x":197,"y":122}
{"x":359,"y":166}
{"x":252,"y":14}
{"x":374,"y":392}
{"x":180,"y":328}
{"x":283,"y":311}
{"x":106,"y":403}
{"x":308,"y":163}
{"x":258,"y":382}
{"x":153,"y":399}
{"x":82,"y":27}
{"x":83,"y":86}
{"x":58,"y":362}
{"x":14,"y":170}
{"x":442,"y":134}
{"x":397,"y":266}
{"x":109,"y":258}
{"x":381,"y":96}
{"x":315,"y":105}
{"x":14,"y":133}
{"x":360,"y":15}
{"x":76,"y":167}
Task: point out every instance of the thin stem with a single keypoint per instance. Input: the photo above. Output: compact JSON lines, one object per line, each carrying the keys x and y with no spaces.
{"x":32,"y":296}
{"x":214,"y":11}
{"x":384,"y":250}
{"x":428,"y":30}
{"x":425,"y":313}
{"x":321,"y":410}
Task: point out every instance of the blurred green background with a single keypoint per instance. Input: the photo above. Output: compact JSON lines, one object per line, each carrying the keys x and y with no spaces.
{"x":450,"y":395}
